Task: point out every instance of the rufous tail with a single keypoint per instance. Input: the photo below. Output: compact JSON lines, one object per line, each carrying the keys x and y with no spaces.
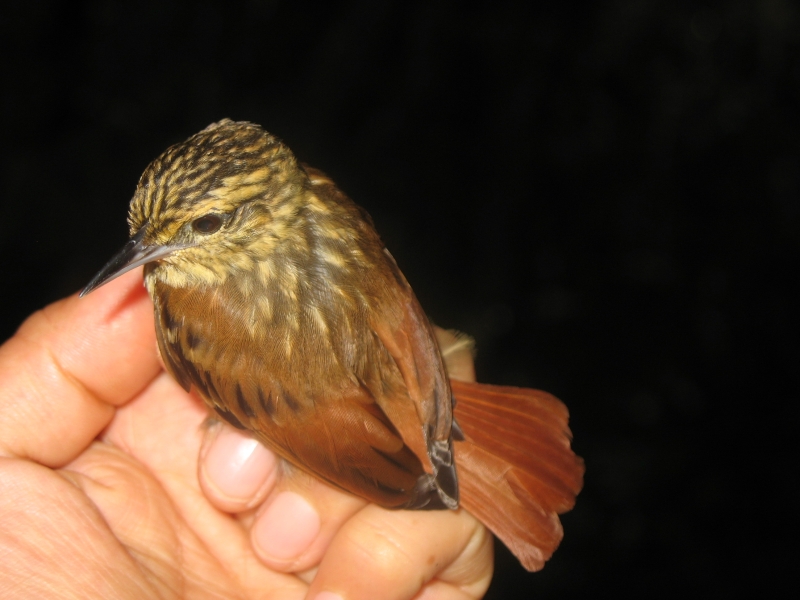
{"x":516,"y":470}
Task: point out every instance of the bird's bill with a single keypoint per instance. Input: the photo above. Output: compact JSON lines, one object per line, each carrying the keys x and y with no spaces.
{"x":133,"y":254}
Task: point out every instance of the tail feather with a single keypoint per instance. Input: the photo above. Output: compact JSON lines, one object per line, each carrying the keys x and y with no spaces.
{"x":516,"y":469}
{"x":546,"y":456}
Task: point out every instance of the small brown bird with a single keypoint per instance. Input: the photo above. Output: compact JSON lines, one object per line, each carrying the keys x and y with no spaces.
{"x":277,"y":300}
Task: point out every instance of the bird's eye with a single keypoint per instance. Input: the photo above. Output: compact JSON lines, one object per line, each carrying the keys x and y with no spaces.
{"x":207,"y":224}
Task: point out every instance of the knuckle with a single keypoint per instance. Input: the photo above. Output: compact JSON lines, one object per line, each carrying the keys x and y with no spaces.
{"x":385,"y":548}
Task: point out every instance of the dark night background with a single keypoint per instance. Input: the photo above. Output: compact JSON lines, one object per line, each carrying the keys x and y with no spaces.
{"x":605,"y":195}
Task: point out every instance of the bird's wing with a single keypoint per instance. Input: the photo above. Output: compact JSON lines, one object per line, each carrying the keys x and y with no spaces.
{"x":410,"y":341}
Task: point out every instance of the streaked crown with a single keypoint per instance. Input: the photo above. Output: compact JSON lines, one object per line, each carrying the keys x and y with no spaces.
{"x":216,"y":170}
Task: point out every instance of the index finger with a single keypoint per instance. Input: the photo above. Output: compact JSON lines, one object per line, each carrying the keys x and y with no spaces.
{"x":69,"y":365}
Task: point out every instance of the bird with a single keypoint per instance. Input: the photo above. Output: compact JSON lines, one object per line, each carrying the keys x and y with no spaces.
{"x":276,"y":299}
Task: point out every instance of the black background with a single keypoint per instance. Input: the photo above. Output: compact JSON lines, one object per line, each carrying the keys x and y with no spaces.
{"x":604,"y":194}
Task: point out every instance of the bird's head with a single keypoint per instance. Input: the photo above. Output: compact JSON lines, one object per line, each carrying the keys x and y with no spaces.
{"x":209,"y":206}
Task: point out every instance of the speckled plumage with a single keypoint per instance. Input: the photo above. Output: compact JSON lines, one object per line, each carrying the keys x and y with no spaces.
{"x":276,"y":299}
{"x":269,"y":318}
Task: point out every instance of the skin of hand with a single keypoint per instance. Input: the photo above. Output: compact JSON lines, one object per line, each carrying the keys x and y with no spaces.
{"x":111,"y":486}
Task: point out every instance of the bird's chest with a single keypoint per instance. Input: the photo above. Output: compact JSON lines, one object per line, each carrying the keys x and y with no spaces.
{"x":268,"y":349}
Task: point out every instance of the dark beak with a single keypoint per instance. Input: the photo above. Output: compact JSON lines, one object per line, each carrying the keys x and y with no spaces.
{"x":133,"y":254}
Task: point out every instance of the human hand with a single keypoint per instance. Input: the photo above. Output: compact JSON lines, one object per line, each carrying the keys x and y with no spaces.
{"x":100,"y":494}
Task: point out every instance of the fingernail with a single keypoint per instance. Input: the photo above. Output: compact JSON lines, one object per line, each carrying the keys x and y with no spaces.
{"x":287,"y":528}
{"x":238,"y":465}
{"x":328,"y":596}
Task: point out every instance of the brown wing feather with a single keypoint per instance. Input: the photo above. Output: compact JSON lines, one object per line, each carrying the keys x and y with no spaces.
{"x":400,"y":324}
{"x":419,"y":402}
{"x":412,"y":345}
